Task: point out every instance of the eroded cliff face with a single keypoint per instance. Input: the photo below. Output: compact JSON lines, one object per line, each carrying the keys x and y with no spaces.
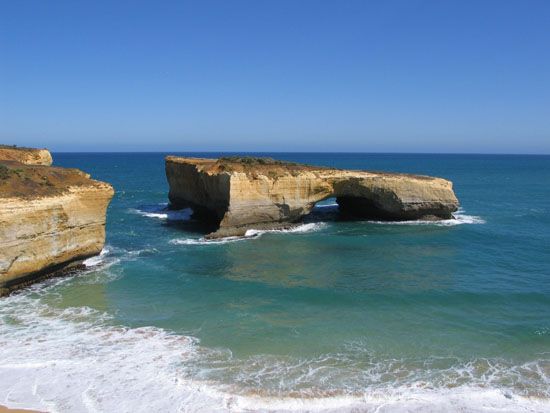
{"x":50,"y":220}
{"x":254,"y":193}
{"x":207,"y":192}
{"x":28,"y":156}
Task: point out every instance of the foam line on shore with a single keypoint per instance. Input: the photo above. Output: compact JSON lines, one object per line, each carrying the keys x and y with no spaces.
{"x":76,"y":360}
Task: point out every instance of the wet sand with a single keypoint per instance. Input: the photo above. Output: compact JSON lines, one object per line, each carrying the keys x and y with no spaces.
{"x":4,"y":409}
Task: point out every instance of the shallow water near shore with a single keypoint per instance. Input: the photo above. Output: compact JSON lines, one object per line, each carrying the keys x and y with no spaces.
{"x":331,"y":315}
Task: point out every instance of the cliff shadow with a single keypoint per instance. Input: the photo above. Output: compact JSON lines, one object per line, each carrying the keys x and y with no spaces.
{"x":345,"y":209}
{"x":181,"y":217}
{"x":200,"y":221}
{"x":192,"y":225}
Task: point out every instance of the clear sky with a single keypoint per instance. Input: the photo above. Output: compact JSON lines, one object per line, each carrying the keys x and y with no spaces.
{"x":372,"y":76}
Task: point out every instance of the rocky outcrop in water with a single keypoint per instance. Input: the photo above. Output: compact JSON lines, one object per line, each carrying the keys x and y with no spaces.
{"x":243,"y":193}
{"x":51,"y":218}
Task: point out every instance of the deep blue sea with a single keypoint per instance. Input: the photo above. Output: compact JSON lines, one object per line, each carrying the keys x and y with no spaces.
{"x":333,"y":315}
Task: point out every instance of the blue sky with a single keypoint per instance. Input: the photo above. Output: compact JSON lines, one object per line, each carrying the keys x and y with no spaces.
{"x":372,"y":76}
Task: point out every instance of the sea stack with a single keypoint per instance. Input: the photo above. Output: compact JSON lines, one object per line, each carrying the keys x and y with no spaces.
{"x":243,"y":193}
{"x":51,"y":218}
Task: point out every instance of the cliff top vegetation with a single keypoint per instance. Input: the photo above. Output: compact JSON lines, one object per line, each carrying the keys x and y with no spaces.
{"x":34,"y":181}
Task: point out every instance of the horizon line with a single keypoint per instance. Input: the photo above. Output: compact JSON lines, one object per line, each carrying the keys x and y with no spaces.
{"x":312,"y":152}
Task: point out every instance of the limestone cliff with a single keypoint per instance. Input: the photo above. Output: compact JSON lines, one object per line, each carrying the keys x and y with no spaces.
{"x":50,"y":220}
{"x":28,"y":156}
{"x":244,"y":193}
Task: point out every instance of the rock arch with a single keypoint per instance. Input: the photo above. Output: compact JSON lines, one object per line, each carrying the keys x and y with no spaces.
{"x":244,"y":193}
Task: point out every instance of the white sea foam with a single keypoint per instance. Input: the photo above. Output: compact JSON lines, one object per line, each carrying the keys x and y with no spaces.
{"x":97,"y":260}
{"x":205,"y":241}
{"x":249,"y":234}
{"x":108,"y":257}
{"x":465,"y":399}
{"x":309,"y":227}
{"x":76,"y":360}
{"x":72,"y":360}
{"x":460,"y":218}
{"x":161,"y":211}
{"x":333,"y":205}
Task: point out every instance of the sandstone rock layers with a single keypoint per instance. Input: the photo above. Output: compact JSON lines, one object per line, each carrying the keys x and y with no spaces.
{"x":50,"y":220}
{"x":244,"y":193}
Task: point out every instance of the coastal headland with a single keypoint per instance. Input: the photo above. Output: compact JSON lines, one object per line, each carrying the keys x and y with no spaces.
{"x":28,"y":156}
{"x":51,"y":218}
{"x":240,"y":193}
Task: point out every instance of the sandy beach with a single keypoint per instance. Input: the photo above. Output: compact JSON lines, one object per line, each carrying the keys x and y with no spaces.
{"x":4,"y":409}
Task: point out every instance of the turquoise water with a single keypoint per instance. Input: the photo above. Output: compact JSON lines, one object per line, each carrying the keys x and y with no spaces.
{"x":333,"y":315}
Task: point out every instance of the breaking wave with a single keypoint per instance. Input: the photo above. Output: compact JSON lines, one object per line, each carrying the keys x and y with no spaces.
{"x":97,"y":260}
{"x":250,"y":234}
{"x":205,"y":241}
{"x":460,"y":218}
{"x":78,"y":359}
{"x":112,"y":255}
{"x":309,"y":227}
{"x":162,"y":211}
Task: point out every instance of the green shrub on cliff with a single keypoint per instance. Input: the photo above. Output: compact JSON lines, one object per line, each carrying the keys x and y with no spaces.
{"x":4,"y":172}
{"x":252,"y":160}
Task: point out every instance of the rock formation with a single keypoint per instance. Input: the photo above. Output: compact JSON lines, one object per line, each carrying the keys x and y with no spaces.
{"x":50,"y":218}
{"x":244,"y":193}
{"x":28,"y":156}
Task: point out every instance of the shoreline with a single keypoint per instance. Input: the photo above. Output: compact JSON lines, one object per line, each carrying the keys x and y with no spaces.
{"x":4,"y":409}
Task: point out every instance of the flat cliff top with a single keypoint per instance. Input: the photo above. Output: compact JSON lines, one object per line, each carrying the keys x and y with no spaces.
{"x":273,"y":168}
{"x":18,"y":180}
{"x":247,"y":164}
{"x":29,"y":156}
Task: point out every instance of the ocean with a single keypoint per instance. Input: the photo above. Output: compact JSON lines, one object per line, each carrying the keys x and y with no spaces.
{"x":333,"y":315}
